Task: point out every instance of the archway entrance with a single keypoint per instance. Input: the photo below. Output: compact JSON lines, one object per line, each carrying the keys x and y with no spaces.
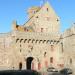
{"x":29,"y":62}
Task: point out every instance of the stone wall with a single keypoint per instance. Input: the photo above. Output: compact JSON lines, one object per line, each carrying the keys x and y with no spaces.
{"x":44,"y":48}
{"x":69,"y":47}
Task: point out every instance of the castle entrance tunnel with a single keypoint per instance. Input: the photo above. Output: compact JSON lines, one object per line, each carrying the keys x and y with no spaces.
{"x":29,"y":62}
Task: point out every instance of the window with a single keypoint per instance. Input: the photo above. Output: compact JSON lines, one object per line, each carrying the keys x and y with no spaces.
{"x":45,"y":54}
{"x":47,"y":9}
{"x":51,"y":59}
{"x":57,"y":19}
{"x":62,"y":47}
{"x":20,"y":50}
{"x":34,"y":12}
{"x":20,"y":45}
{"x":70,"y":60}
{"x":41,"y":29}
{"x":36,"y":16}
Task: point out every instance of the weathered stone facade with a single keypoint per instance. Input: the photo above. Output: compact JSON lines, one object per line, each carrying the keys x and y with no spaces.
{"x":38,"y":44}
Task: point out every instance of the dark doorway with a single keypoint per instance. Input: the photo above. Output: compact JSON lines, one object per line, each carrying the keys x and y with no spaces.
{"x":20,"y":66}
{"x":28,"y":63}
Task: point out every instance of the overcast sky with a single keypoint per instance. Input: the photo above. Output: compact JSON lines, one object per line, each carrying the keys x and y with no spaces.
{"x":17,"y":10}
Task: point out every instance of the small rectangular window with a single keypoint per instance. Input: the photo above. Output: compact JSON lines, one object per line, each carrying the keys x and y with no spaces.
{"x":51,"y":59}
{"x":70,"y":60}
{"x":41,"y":29}
{"x":62,"y":47}
{"x":47,"y":9}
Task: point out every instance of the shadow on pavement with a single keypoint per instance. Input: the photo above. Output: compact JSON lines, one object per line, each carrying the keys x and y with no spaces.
{"x":18,"y":72}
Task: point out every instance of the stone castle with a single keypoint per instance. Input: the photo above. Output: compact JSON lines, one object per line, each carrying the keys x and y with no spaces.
{"x":38,"y":44}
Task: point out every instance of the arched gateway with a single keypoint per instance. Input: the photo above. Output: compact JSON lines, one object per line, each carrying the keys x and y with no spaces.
{"x":29,"y":62}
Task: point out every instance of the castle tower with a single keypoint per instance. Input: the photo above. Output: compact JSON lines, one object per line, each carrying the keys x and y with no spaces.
{"x":43,"y":19}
